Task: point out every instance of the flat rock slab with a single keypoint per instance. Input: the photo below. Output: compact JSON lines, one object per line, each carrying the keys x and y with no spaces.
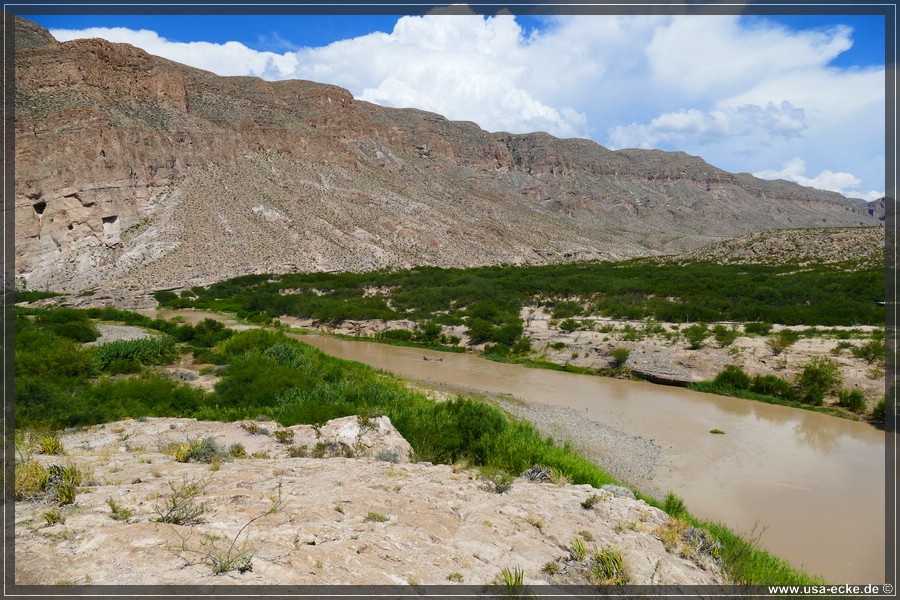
{"x":322,"y":521}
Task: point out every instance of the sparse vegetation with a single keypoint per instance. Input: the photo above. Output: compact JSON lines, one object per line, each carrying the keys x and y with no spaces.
{"x":608,"y":568}
{"x":53,"y":517}
{"x":31,"y":479}
{"x":203,"y":450}
{"x":577,"y":550}
{"x":283,"y":436}
{"x":513,"y":580}
{"x":619,"y":356}
{"x":496,"y":480}
{"x":183,"y":505}
{"x":375,"y":517}
{"x":49,"y":443}
{"x":590,"y":502}
{"x":118,"y":513}
{"x":782,"y":340}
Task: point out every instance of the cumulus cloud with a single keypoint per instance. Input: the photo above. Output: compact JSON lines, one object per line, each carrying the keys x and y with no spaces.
{"x":843,"y":183}
{"x":693,"y":126}
{"x":230,"y":58}
{"x":464,"y":67}
{"x":744,"y":95}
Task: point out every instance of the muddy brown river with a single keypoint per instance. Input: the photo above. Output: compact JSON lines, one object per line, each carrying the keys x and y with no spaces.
{"x":813,"y":484}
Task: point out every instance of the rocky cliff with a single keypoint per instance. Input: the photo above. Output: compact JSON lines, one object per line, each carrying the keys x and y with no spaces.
{"x":135,"y":172}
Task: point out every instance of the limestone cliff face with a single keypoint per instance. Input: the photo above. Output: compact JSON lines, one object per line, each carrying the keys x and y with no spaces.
{"x":135,"y":172}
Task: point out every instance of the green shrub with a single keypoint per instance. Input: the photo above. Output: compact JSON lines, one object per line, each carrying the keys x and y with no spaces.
{"x":871,"y":351}
{"x":569,"y":325}
{"x":428,"y":332}
{"x":202,"y":450}
{"x":878,"y":410}
{"x":49,"y":443}
{"x":696,"y":335}
{"x":853,"y":400}
{"x":782,"y":340}
{"x":80,"y":331}
{"x":772,"y":385}
{"x":403,"y":335}
{"x":757,"y":328}
{"x":733,"y":377}
{"x":819,"y":377}
{"x":619,"y":356}
{"x":558,"y":345}
{"x":118,"y":512}
{"x":497,"y":481}
{"x":724,"y":336}
{"x":165,"y":297}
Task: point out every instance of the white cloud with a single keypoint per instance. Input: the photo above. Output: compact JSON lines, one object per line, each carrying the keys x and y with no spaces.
{"x":693,"y":126}
{"x":231,"y":58}
{"x":745,"y":98}
{"x":464,"y":67}
{"x":843,"y":183}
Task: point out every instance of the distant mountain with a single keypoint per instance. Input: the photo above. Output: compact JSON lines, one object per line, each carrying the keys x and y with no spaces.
{"x":136,"y":172}
{"x":876,"y":209}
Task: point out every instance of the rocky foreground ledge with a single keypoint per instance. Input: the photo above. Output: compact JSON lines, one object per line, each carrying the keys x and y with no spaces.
{"x":360,"y":514}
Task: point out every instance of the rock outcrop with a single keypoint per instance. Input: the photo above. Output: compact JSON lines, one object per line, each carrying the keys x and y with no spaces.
{"x":136,"y":172}
{"x":306,"y":521}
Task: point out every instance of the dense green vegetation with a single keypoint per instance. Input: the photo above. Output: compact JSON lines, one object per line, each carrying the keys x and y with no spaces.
{"x":488,"y":299}
{"x":62,"y":383}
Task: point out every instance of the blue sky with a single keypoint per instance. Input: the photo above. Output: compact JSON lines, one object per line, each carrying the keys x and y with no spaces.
{"x":794,"y":97}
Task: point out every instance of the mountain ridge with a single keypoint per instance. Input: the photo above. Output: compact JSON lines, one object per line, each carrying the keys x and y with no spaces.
{"x":136,"y":172}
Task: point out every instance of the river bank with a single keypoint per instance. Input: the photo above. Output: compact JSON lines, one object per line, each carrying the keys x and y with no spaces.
{"x":772,"y":465}
{"x":657,"y":352}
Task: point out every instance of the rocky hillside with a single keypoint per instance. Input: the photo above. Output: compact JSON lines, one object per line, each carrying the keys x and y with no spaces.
{"x":861,"y":245}
{"x":136,"y":172}
{"x":360,"y":513}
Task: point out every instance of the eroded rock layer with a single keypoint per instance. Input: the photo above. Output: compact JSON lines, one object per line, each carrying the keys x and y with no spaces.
{"x":135,"y":172}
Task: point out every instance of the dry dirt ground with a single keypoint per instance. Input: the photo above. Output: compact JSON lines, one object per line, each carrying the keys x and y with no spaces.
{"x":274,"y":519}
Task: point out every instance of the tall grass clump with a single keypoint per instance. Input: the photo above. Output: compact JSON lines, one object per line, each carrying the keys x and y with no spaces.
{"x":130,"y":355}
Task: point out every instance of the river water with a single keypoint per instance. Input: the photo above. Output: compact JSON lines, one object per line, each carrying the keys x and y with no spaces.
{"x":813,"y":484}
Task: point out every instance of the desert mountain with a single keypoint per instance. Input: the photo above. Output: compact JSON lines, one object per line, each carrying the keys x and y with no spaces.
{"x":136,"y":172}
